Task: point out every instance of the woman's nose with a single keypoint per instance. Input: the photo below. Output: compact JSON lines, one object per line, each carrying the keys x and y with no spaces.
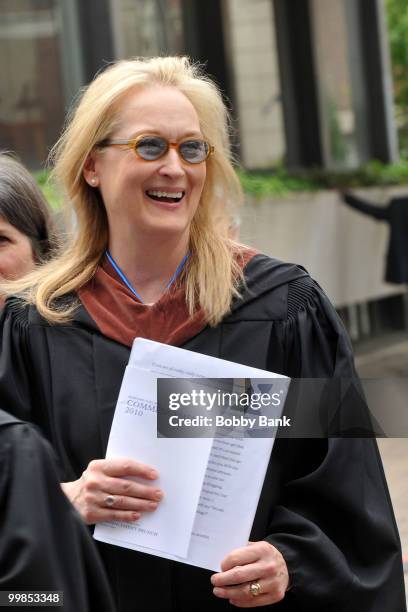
{"x":172,"y":165}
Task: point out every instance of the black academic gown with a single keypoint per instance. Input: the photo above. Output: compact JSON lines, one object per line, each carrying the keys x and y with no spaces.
{"x":324,"y":504}
{"x":44,"y":545}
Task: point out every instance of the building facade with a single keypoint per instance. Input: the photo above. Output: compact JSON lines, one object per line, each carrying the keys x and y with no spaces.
{"x":308,"y":80}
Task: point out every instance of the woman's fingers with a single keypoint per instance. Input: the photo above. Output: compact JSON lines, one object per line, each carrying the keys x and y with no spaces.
{"x":117,"y":515}
{"x":260,"y":564}
{"x":129,"y":488}
{"x":121,"y":502}
{"x":237,"y":575}
{"x":106,"y":491}
{"x":122,"y":468}
{"x":240,"y":594}
{"x":93,"y":514}
{"x":243,"y":556}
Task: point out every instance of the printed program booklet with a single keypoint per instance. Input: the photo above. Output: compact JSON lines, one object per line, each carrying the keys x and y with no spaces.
{"x":211,"y":485}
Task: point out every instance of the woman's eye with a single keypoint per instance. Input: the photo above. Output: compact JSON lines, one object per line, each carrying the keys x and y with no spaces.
{"x":151,"y":146}
{"x":193,"y":149}
{"x":4,"y":238}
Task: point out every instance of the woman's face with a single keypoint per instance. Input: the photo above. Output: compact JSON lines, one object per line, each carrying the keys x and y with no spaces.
{"x":129,"y":185}
{"x":16,"y":254}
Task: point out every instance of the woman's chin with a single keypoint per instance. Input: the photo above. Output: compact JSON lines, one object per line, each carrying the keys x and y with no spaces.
{"x":167,"y":227}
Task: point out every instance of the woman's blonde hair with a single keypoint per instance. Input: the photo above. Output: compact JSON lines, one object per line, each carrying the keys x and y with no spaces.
{"x":213,"y":272}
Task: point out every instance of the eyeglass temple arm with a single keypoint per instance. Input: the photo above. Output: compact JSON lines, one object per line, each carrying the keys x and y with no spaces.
{"x":115,"y":141}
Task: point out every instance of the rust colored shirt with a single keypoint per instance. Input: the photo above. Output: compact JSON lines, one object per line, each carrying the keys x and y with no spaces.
{"x":122,"y":317}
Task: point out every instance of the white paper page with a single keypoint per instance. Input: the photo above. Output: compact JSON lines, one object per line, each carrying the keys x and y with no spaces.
{"x":133,"y":435}
{"x":229,"y":498}
{"x":173,"y":362}
{"x":224,"y":515}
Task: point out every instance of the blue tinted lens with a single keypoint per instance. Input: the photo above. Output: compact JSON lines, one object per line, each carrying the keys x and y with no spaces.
{"x":151,"y":147}
{"x":194,"y":151}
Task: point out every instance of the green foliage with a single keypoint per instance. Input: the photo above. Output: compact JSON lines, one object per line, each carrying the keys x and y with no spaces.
{"x":50,"y":192}
{"x":274,"y":183}
{"x":281,"y":183}
{"x":397,"y":15}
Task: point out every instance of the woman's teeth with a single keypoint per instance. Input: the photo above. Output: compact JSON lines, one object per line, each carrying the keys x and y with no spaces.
{"x":165,"y":195}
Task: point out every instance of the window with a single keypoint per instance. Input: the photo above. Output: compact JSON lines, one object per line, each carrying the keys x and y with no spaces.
{"x":340,"y":82}
{"x":147,"y":27}
{"x":31,"y":95}
{"x":253,"y":57}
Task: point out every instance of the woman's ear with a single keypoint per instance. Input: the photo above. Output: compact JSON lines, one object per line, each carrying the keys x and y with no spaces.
{"x":89,"y":170}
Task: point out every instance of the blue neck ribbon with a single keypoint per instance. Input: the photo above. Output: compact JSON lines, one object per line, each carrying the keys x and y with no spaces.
{"x":129,"y":284}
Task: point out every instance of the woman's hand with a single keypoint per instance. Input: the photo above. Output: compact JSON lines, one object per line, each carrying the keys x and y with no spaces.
{"x":258,"y":563}
{"x":105,"y":493}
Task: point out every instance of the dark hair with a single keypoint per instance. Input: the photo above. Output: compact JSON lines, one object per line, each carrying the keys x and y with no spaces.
{"x":23,"y":205}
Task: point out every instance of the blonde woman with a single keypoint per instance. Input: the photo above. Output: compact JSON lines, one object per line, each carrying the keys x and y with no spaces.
{"x":145,"y":164}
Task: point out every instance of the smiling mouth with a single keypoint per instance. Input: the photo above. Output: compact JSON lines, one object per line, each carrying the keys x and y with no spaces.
{"x":165,"y":196}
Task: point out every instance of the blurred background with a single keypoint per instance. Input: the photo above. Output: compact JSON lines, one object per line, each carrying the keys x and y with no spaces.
{"x":319,"y":94}
{"x":318,"y":90}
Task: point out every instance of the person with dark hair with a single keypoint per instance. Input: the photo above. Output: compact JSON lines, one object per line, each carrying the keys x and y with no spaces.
{"x":395,"y":213}
{"x":26,"y":234}
{"x":44,"y":544}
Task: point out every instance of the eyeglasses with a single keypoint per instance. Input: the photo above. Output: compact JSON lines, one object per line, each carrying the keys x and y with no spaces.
{"x":150,"y":148}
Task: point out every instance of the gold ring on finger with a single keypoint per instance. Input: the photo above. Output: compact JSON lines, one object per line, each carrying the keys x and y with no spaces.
{"x":255,"y":589}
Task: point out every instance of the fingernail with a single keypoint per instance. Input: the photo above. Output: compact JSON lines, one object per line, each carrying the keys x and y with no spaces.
{"x":158,"y":495}
{"x":216,"y":591}
{"x":135,"y":516}
{"x":152,"y":505}
{"x":153,"y":474}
